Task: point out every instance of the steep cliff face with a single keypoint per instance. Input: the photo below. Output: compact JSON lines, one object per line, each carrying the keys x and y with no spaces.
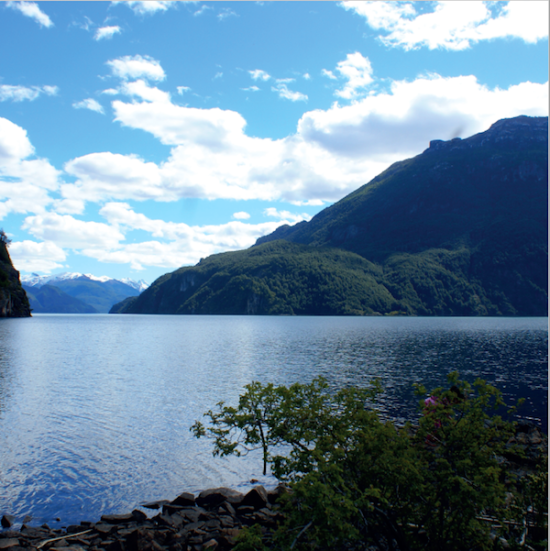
{"x":13,"y":299}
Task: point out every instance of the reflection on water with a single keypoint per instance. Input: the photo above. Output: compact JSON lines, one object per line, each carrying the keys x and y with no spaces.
{"x":95,"y":410}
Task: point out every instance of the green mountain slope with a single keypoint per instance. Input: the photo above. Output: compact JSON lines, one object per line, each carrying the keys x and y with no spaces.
{"x":459,"y":230}
{"x":52,"y":300}
{"x":13,"y":300}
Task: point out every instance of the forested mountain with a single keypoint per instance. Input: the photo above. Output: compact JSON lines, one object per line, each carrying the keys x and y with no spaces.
{"x":461,"y":229}
{"x":13,"y":300}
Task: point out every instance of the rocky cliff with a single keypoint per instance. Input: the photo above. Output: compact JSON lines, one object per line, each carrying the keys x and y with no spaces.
{"x":13,"y":299}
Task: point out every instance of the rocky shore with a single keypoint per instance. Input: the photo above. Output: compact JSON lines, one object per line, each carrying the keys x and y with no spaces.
{"x":210,"y":521}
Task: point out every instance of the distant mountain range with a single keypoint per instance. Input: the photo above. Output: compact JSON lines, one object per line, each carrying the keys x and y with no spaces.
{"x":461,"y":229}
{"x":77,"y":293}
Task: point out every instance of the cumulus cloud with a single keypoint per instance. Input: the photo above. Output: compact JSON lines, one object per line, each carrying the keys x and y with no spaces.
{"x":106,"y":32}
{"x":453,"y":25}
{"x":131,"y":67}
{"x":22,"y":93}
{"x":241,"y":215}
{"x":25,"y":184}
{"x":258,"y":74}
{"x":31,"y":9}
{"x":357,"y":70}
{"x":90,"y":104}
{"x":182,"y":89}
{"x":69,"y":233}
{"x":30,"y":256}
{"x":285,"y":93}
{"x":333,"y":151}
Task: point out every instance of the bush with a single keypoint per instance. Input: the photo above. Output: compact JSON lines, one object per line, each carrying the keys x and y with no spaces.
{"x":360,"y":483}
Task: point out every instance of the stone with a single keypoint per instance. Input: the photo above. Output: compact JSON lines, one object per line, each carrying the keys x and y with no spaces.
{"x":186,"y":500}
{"x":155,"y":504}
{"x":216,"y":496}
{"x":211,"y":545}
{"x":7,"y":521}
{"x":257,"y":497}
{"x":7,"y":543}
{"x":117,"y":519}
{"x":138,"y":515}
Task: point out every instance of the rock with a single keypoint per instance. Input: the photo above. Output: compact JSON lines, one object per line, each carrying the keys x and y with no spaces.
{"x":257,"y":497}
{"x":216,"y":496}
{"x":7,"y":543}
{"x":117,"y":519}
{"x":138,"y":515}
{"x":155,"y":504}
{"x":7,"y":521}
{"x":212,"y":545}
{"x":186,"y":500}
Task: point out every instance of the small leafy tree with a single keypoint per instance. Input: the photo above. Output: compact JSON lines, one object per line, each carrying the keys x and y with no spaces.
{"x":358,"y":481}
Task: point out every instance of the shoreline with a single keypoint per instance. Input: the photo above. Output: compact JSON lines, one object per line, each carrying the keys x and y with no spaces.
{"x":212,"y":520}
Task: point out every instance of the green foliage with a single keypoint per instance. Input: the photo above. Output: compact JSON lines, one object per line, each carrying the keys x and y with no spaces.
{"x":357,"y":481}
{"x":250,"y":539}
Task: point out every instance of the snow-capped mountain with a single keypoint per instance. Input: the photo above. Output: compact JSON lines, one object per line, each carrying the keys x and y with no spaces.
{"x":36,"y":280}
{"x":99,"y":293}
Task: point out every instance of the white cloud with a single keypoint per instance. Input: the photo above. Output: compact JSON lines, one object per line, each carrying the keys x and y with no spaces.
{"x":285,"y":93}
{"x":30,"y":256}
{"x":453,"y":25}
{"x":329,"y":74}
{"x":69,"y":233}
{"x":90,"y":104}
{"x":307,"y":76}
{"x":21,"y":93}
{"x":182,"y":89}
{"x":187,"y":244}
{"x":241,"y":215}
{"x":140,"y":89}
{"x":358,"y":72}
{"x":251,"y":89}
{"x":219,"y":74}
{"x":147,"y":7}
{"x":24,"y":184}
{"x":111,"y":92}
{"x":106,"y":32}
{"x":285,"y":80}
{"x":332,"y":152}
{"x":203,"y":9}
{"x":225,"y":13}
{"x":131,"y":67}
{"x":31,"y":9}
{"x":258,"y":74}
{"x":286,"y":215}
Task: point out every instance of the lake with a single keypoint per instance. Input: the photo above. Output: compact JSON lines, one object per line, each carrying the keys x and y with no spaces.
{"x":95,"y":410}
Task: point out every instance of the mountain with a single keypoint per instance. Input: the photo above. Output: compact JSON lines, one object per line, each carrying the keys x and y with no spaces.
{"x":461,"y":229}
{"x":97,"y":293}
{"x":13,"y":300}
{"x":52,"y":300}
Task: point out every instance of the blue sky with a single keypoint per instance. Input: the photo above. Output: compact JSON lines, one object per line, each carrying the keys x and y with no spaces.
{"x":138,"y":137}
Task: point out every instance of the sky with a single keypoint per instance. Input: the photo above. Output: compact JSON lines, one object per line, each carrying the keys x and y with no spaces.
{"x":139,"y":137}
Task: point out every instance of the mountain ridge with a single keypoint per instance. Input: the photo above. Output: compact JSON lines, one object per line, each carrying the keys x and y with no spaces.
{"x":460,"y":229}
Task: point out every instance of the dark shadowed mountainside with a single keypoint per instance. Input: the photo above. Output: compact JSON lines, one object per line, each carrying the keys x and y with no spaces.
{"x":460,"y":229}
{"x":13,"y":300}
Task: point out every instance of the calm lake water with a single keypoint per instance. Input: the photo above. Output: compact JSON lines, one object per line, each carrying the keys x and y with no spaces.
{"x":95,"y":410}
